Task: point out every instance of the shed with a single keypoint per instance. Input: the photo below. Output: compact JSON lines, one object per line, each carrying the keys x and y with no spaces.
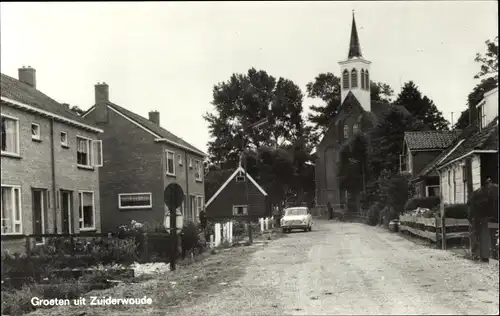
{"x":239,"y":197}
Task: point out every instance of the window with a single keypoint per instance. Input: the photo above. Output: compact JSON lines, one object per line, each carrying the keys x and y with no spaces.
{"x":464,"y":181}
{"x":88,"y":152}
{"x":11,"y":210}
{"x":354,"y":78}
{"x":346,"y":131}
{"x":198,"y":170}
{"x":190,"y":163}
{"x":367,"y":81}
{"x":481,"y":116}
{"x":135,"y":200}
{"x":169,"y":162}
{"x":64,"y":139}
{"x":345,"y":79}
{"x":432,"y":190}
{"x":86,"y":218}
{"x":240,"y":210}
{"x":179,"y":157}
{"x":355,"y":128}
{"x":199,"y":207}
{"x":35,"y":131}
{"x":10,"y":135}
{"x":402,"y":163}
{"x":362,"y":78}
{"x":454,"y":187}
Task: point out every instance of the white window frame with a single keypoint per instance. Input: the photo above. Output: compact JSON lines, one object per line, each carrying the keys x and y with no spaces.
{"x":80,"y":211}
{"x":65,"y":143}
{"x":179,"y":156}
{"x":464,"y":181}
{"x":15,"y":221}
{"x":454,"y":186}
{"x":190,"y":163}
{"x":167,"y":153}
{"x":427,"y":187}
{"x":38,"y":135}
{"x":346,"y":131}
{"x":236,"y":206}
{"x":198,"y":164}
{"x":44,"y":195}
{"x":91,"y":157}
{"x":481,"y":115}
{"x":11,"y":153}
{"x":150,"y":205}
{"x":200,"y":203}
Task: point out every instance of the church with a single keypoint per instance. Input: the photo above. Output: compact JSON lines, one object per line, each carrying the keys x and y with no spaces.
{"x":356,"y":114}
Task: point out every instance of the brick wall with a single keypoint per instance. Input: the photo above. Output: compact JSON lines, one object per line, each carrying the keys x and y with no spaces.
{"x":33,"y":169}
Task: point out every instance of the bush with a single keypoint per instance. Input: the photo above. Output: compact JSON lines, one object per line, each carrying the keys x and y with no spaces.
{"x":484,"y":202}
{"x":190,"y":237}
{"x":458,"y":211}
{"x":423,"y":202}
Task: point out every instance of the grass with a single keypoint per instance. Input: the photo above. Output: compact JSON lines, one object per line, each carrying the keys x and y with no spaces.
{"x":193,"y":278}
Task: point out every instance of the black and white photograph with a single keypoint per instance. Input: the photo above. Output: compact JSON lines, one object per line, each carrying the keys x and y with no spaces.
{"x":229,"y":158}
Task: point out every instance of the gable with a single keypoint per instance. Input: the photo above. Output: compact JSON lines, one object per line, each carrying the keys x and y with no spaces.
{"x":233,"y":179}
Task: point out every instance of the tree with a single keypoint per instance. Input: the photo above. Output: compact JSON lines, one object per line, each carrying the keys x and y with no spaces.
{"x":421,"y":107}
{"x":395,"y":191}
{"x":488,"y":61}
{"x":75,"y":109}
{"x":245,"y":99}
{"x":326,"y":87}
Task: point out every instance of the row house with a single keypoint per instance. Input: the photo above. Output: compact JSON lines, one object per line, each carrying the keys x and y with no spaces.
{"x":473,"y":156}
{"x":419,"y":150}
{"x":141,"y":159}
{"x":50,"y":164}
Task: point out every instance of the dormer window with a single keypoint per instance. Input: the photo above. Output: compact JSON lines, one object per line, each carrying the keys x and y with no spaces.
{"x":346,"y":131}
{"x":481,"y":116}
{"x":354,"y":78}
{"x":367,"y":81}
{"x":345,"y":79}
{"x":362,"y":79}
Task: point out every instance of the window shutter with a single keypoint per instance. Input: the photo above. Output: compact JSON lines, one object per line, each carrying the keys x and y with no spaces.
{"x":97,"y":153}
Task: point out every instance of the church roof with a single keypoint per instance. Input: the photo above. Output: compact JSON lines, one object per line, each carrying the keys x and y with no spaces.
{"x":354,"y":46}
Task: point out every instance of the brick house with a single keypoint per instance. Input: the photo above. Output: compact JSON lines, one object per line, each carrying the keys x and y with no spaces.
{"x":50,"y":164}
{"x":239,"y":197}
{"x":473,"y":156}
{"x":140,"y":160}
{"x":356,"y":114}
{"x":419,"y":149}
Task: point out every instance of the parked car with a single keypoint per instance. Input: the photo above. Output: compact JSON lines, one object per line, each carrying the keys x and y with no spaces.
{"x":296,"y":218}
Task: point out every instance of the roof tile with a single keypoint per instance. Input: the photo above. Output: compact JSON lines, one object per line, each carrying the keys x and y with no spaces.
{"x":430,"y":139}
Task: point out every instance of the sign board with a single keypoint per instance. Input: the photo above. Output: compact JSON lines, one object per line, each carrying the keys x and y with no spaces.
{"x":173,"y":196}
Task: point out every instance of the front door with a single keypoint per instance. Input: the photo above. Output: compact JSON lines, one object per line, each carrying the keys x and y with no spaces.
{"x":39,"y":213}
{"x":67,"y":212}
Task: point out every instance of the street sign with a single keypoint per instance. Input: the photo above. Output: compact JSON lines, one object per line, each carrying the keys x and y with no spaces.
{"x":173,"y":196}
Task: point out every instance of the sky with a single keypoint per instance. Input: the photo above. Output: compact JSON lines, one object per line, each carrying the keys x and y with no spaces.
{"x":167,"y":56}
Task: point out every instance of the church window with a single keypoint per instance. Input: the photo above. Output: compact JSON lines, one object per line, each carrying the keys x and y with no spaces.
{"x":362,"y":79}
{"x":355,"y":128}
{"x":354,"y":78}
{"x":346,"y":131}
{"x":345,"y":79}
{"x":367,"y":81}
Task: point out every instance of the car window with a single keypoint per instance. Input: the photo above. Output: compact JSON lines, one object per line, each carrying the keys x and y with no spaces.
{"x":296,"y":211}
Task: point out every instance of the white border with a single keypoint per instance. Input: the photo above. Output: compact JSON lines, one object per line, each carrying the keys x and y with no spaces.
{"x":36,"y":137}
{"x":80,"y":211}
{"x":90,"y":153}
{"x":167,"y":151}
{"x":232,"y":213}
{"x":65,"y":144}
{"x":229,"y":180}
{"x":16,"y":186}
{"x":55,"y":116}
{"x":8,"y":153}
{"x":198,"y":166}
{"x":135,"y":207}
{"x":430,"y":186}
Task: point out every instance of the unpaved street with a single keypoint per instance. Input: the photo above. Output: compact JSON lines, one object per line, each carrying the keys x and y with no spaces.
{"x":350,"y":268}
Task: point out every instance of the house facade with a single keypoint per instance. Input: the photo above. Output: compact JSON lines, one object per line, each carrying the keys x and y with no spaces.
{"x":473,"y":156}
{"x":239,"y":197}
{"x":50,"y":164}
{"x":356,"y":114}
{"x":141,"y":160}
{"x":420,"y":148}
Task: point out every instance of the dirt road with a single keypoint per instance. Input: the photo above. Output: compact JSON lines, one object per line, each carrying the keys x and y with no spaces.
{"x":349,"y":268}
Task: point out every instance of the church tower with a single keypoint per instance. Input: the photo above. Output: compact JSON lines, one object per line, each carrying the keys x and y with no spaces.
{"x":355,"y":72}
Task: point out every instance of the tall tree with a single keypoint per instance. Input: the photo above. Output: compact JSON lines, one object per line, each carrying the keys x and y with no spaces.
{"x":245,"y":99}
{"x":421,"y":107}
{"x":489,"y":79}
{"x":326,"y":87}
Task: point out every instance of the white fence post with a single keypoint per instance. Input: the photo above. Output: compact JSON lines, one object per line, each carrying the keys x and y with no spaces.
{"x":261,"y":220}
{"x":212,"y":241}
{"x":217,"y":235}
{"x":230,"y":232}
{"x":267,"y":223}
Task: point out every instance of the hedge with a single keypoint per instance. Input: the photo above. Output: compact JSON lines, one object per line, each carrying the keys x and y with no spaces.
{"x":429,"y":202}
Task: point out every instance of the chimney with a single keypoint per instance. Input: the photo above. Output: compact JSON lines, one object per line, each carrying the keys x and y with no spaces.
{"x":154,"y":116}
{"x":27,"y":75}
{"x":101,"y":102}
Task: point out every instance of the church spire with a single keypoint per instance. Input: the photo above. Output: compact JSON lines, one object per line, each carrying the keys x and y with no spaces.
{"x":354,"y":47}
